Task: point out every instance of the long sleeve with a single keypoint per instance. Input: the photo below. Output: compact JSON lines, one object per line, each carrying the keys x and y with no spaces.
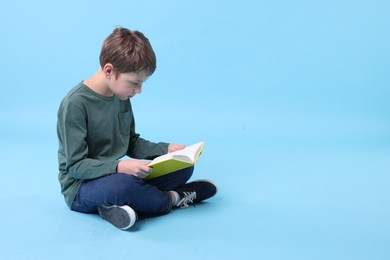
{"x":76,"y":158}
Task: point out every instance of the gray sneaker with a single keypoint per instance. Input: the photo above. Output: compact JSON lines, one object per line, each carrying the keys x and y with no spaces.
{"x":122,"y":217}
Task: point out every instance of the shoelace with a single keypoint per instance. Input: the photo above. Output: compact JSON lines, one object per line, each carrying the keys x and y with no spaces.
{"x":188,"y":198}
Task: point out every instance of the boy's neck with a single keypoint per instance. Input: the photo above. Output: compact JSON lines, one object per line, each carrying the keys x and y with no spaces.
{"x":98,"y":84}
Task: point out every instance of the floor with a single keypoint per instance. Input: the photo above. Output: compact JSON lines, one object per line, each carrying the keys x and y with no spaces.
{"x":291,"y":98}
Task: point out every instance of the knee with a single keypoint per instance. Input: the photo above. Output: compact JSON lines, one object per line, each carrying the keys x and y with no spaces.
{"x":182,"y":176}
{"x":187,"y":172}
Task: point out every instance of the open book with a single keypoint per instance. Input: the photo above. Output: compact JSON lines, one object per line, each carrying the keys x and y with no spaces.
{"x":175,"y":161}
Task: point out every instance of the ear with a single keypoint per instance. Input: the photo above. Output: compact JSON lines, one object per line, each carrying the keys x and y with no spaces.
{"x":108,"y":70}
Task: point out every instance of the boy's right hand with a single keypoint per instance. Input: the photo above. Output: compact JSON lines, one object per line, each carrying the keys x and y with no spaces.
{"x":134,"y":167}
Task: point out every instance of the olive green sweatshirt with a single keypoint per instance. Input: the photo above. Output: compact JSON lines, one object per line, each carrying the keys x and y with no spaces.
{"x":94,"y":132}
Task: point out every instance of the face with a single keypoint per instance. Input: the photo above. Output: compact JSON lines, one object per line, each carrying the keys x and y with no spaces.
{"x":127,"y":85}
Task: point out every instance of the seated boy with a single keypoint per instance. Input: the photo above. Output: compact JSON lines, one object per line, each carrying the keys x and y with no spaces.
{"x":96,"y":129}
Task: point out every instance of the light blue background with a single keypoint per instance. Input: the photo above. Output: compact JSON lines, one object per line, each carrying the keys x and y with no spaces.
{"x":291,"y":97}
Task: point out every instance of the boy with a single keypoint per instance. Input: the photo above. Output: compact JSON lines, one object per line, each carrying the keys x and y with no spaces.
{"x":96,"y":128}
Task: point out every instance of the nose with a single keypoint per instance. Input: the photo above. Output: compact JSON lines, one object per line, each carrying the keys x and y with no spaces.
{"x":138,"y":90}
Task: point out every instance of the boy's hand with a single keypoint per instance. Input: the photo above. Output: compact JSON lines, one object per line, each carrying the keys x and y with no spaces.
{"x":134,"y":167}
{"x":175,"y":147}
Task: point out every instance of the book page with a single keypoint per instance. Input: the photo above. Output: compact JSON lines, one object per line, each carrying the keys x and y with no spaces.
{"x":188,"y":154}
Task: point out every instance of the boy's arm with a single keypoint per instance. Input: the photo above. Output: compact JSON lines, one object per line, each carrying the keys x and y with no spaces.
{"x":72,"y":133}
{"x":140,"y":148}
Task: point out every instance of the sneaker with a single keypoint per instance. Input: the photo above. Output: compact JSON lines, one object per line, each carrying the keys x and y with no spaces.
{"x":194,"y":192}
{"x":122,"y":217}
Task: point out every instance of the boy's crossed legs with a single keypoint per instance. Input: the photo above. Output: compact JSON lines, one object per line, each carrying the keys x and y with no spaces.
{"x":117,"y":197}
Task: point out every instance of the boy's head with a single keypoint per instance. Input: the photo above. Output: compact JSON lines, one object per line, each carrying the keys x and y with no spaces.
{"x":128,"y":51}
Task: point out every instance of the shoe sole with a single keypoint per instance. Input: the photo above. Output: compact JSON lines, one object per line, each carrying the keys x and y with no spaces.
{"x":122,"y":217}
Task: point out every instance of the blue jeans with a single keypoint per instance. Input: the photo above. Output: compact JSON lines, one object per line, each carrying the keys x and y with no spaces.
{"x":150,"y":197}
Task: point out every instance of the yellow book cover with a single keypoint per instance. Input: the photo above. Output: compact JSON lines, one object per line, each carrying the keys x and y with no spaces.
{"x":175,"y":161}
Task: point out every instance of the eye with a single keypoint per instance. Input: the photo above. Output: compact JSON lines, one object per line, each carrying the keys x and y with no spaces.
{"x":134,"y":84}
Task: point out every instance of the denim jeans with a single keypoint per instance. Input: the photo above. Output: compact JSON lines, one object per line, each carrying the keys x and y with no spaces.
{"x":150,"y":197}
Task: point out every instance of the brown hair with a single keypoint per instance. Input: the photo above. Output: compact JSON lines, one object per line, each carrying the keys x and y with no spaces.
{"x":128,"y":51}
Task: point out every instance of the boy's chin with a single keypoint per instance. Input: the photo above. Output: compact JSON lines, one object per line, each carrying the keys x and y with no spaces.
{"x":124,"y":98}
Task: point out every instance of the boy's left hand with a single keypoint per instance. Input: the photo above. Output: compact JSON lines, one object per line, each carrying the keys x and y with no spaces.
{"x":175,"y":147}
